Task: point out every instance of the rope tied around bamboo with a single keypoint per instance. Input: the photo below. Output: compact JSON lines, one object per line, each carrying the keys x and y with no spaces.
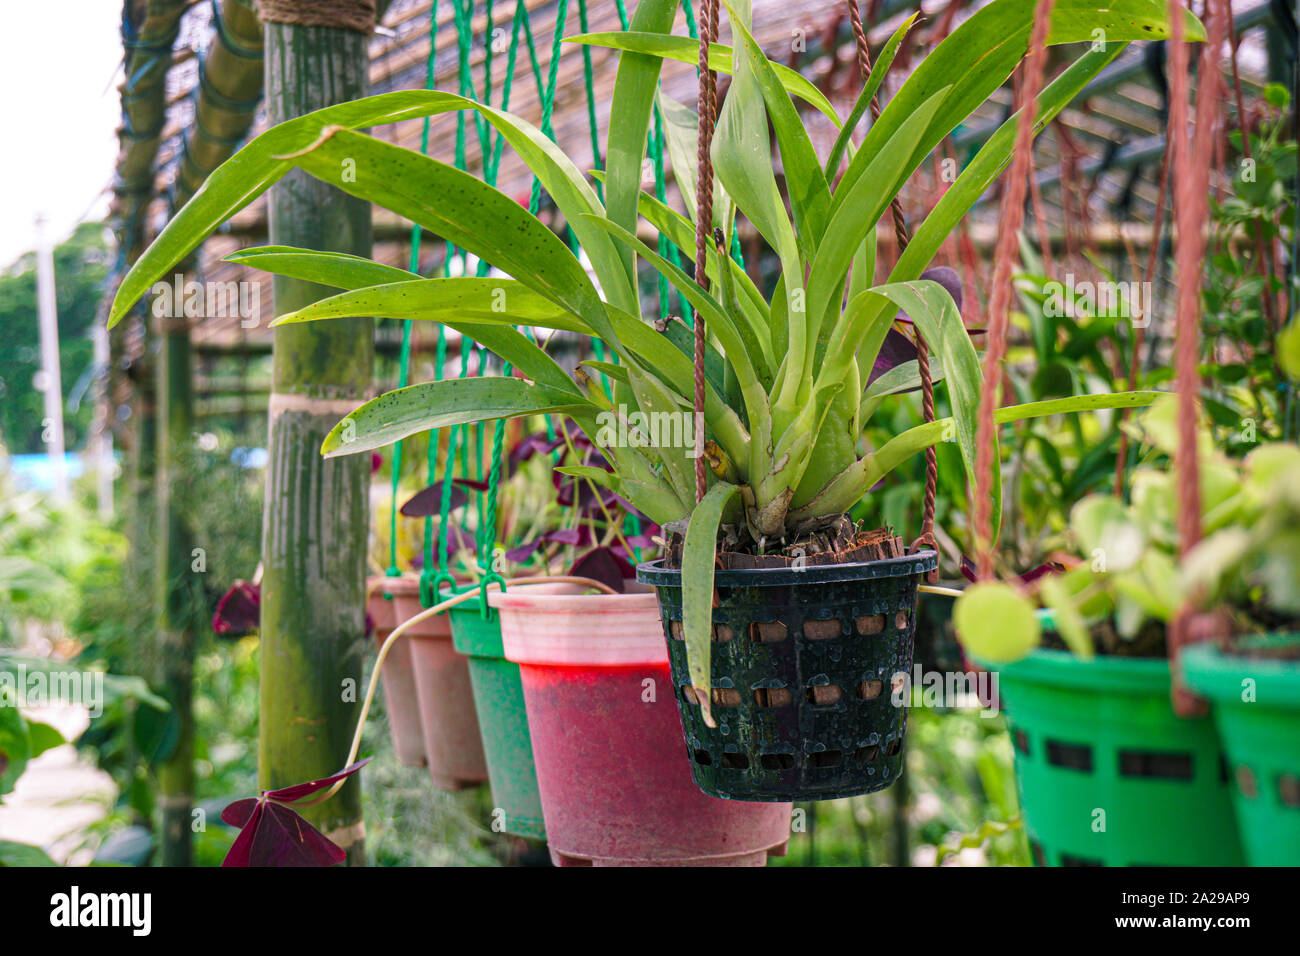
{"x":356,"y":15}
{"x":1011,"y":216}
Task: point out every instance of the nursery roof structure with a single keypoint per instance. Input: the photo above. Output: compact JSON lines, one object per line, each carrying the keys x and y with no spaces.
{"x":194,"y":82}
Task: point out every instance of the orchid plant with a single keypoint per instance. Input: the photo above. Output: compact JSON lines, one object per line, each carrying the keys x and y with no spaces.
{"x":786,"y":370}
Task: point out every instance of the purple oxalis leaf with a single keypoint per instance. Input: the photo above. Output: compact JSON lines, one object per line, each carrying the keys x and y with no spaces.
{"x":968,"y":570}
{"x":239,"y":611}
{"x":603,"y":565}
{"x":427,"y":502}
{"x":898,"y":347}
{"x":523,"y":552}
{"x":274,"y":834}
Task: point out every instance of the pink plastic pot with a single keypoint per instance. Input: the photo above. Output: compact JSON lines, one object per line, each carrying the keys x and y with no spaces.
{"x":397,"y":674}
{"x":612,"y":767}
{"x":452,"y":746}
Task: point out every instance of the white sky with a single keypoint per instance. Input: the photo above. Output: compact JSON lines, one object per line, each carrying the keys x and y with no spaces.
{"x":59,"y":111}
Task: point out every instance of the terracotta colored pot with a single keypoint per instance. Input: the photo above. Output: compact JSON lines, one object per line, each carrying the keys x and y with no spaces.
{"x":452,"y":746}
{"x":397,"y":675}
{"x":612,"y":768}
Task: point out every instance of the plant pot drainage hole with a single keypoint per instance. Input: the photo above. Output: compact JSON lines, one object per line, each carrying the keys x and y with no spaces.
{"x":822,"y":630}
{"x":767,"y":632}
{"x":726,"y":697}
{"x":824,"y":758}
{"x":773,"y":697}
{"x":870,"y":624}
{"x":1141,"y":763}
{"x":776,"y":761}
{"x":867,"y":754}
{"x":825,"y":695}
{"x":1070,"y":756}
{"x":870,"y":689}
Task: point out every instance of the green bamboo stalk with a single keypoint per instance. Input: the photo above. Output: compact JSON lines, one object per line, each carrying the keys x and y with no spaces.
{"x":315,"y":525}
{"x":148,"y":55}
{"x":229,"y":91}
{"x":176,"y":587}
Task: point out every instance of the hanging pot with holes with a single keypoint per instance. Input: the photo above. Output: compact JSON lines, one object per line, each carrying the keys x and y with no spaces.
{"x":502,"y":720}
{"x":614,"y":778}
{"x":452,"y":746}
{"x":397,"y":674}
{"x":1255,"y":692}
{"x":1108,"y":776}
{"x":808,"y":669}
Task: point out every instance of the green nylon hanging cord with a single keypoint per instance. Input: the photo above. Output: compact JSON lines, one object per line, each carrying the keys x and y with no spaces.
{"x":404,"y":359}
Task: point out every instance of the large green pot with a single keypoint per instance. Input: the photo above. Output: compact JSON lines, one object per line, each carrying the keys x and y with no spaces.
{"x":1108,"y":775}
{"x":502,"y":721}
{"x":1257,"y":710}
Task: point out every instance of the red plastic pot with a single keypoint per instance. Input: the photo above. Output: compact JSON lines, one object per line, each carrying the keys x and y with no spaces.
{"x":397,"y":673}
{"x":453,"y":748}
{"x":612,"y":767}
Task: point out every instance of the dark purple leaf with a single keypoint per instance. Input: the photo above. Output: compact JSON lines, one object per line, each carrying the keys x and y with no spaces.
{"x":968,"y":570}
{"x":376,"y":461}
{"x":536,"y":444}
{"x":603,"y":565}
{"x":471,"y":483}
{"x":239,"y":611}
{"x":898,"y":347}
{"x":427,"y":502}
{"x":300,"y":790}
{"x":570,"y":536}
{"x":946,"y":277}
{"x":524,"y":551}
{"x":276,"y":835}
{"x":237,"y":813}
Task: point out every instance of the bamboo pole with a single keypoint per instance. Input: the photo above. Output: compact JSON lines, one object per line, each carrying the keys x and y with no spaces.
{"x":230,"y":89}
{"x":315,"y":524}
{"x":178,"y":570}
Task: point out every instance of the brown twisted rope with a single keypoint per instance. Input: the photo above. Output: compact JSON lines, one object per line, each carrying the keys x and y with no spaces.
{"x":1011,"y":217}
{"x":1191,"y":209}
{"x":356,"y":15}
{"x":708,"y":107}
{"x":902,"y":237}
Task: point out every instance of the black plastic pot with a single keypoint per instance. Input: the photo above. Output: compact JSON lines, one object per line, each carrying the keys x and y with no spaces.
{"x":937,"y":648}
{"x":804,"y":665}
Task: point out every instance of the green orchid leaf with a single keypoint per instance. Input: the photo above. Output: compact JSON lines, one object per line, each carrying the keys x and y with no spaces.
{"x":337,"y":269}
{"x":417,"y":408}
{"x":879,"y":70}
{"x":687,"y":50}
{"x":698,"y":559}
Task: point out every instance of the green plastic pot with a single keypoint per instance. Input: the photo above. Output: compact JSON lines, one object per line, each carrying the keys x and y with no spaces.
{"x":1261,"y":736}
{"x":1108,"y":775}
{"x":502,"y":720}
